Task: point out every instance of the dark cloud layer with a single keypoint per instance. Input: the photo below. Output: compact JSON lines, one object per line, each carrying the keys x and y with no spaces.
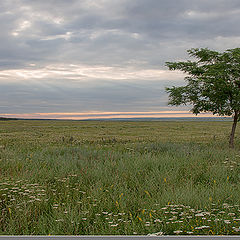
{"x":96,"y":95}
{"x":131,"y":35}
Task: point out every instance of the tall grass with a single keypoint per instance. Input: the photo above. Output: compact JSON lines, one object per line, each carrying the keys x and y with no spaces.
{"x":118,"y":178}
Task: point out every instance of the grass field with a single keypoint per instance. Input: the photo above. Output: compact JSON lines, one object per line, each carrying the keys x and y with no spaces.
{"x":77,"y":178}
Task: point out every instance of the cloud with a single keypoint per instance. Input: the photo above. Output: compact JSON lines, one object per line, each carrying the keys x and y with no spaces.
{"x":105,"y":55}
{"x":83,"y":87}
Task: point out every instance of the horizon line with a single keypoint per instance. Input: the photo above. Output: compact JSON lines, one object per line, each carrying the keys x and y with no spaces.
{"x":105,"y":115}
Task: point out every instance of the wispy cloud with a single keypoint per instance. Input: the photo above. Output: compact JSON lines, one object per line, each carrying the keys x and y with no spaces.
{"x":85,"y":72}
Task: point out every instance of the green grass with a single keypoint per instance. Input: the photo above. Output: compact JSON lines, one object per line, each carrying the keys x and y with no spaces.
{"x":97,"y":178}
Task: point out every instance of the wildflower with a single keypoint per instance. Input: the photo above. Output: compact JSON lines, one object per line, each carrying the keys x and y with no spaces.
{"x":139,"y":218}
{"x":156,"y":234}
{"x":157,"y":220}
{"x":114,"y":225}
{"x":178,"y":231}
{"x":207,"y":213}
{"x":205,"y":227}
{"x":59,"y":220}
{"x":236,"y":229}
{"x":199,"y":215}
{"x":147,"y":193}
{"x":227,"y":221}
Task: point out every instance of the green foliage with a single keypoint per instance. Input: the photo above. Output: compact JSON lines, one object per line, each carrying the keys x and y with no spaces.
{"x":213,"y":82}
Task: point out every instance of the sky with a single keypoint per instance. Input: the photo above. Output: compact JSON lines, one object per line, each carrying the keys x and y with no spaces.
{"x":79,"y":59}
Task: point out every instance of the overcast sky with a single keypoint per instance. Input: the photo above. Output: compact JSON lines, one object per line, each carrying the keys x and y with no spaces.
{"x":75,"y":57}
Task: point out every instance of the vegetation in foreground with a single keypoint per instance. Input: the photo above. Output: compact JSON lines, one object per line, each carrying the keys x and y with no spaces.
{"x":76,"y":178}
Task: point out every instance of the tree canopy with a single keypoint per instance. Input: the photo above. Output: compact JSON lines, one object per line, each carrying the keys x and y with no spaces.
{"x":213,"y":83}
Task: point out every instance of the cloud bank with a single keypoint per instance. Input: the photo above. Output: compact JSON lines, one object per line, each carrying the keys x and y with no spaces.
{"x":104,"y":55}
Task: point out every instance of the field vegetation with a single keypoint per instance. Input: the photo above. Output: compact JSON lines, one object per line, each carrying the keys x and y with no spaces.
{"x":107,"y":178}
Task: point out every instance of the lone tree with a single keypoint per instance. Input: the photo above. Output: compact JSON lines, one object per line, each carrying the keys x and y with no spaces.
{"x":213,"y":84}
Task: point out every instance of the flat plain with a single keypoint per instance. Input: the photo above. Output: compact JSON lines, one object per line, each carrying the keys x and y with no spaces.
{"x":118,"y":177}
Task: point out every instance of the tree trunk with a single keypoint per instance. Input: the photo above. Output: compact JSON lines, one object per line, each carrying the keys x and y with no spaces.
{"x":235,"y":120}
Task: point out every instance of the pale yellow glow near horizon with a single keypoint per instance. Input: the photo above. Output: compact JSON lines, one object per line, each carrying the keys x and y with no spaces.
{"x":101,"y":113}
{"x":105,"y":115}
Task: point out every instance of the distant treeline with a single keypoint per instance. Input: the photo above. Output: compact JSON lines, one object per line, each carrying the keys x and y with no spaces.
{"x":6,"y":119}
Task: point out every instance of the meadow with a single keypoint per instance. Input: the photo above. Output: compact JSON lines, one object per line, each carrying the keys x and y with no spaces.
{"x":116,"y":177}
